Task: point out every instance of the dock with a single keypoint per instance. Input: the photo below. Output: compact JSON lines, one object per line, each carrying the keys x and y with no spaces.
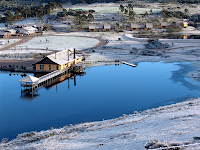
{"x":30,"y":84}
{"x":132,"y":65}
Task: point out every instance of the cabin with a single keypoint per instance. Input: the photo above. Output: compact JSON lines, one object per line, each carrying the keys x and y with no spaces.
{"x":134,"y":26}
{"x":141,"y":26}
{"x":164,"y":24}
{"x":57,"y":61}
{"x":148,"y":26}
{"x":106,"y":27}
{"x":92,"y":27}
{"x":99,"y":28}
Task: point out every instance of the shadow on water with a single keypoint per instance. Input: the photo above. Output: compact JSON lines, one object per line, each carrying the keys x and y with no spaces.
{"x":29,"y":97}
{"x":170,"y":101}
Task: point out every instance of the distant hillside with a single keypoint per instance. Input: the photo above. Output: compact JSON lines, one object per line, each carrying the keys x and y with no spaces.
{"x":12,"y":4}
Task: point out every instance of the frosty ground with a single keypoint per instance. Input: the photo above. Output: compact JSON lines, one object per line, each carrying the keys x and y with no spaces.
{"x":175,"y":126}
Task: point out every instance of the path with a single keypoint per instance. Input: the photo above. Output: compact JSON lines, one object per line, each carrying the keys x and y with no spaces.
{"x":23,"y":39}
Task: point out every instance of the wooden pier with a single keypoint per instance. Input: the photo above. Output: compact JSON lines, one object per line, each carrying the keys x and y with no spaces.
{"x":132,"y":65}
{"x":32,"y":84}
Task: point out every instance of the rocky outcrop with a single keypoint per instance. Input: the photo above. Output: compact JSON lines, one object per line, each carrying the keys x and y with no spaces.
{"x":156,"y":44}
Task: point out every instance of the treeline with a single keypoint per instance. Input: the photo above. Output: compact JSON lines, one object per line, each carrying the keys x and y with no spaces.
{"x":28,"y":11}
{"x":176,"y":14}
{"x":79,"y":14}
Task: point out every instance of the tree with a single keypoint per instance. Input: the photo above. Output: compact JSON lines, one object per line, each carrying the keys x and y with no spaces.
{"x":130,"y":6}
{"x":32,"y":4}
{"x":126,"y":11}
{"x":131,"y":15}
{"x":9,"y":17}
{"x":27,"y":12}
{"x":121,"y":7}
{"x":186,"y":10}
{"x":146,"y":13}
{"x":60,"y":5}
{"x":46,"y":27}
{"x":117,"y":25}
{"x":83,"y":17}
{"x":150,"y":11}
{"x":16,"y":13}
{"x":91,"y":17}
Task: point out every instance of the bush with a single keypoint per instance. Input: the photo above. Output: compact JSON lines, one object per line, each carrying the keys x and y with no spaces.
{"x":46,"y":27}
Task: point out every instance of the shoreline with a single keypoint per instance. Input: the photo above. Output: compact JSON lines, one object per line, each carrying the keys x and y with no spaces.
{"x":174,"y":126}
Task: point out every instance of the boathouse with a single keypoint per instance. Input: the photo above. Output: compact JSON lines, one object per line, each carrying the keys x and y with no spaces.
{"x":57,"y":61}
{"x":29,"y":84}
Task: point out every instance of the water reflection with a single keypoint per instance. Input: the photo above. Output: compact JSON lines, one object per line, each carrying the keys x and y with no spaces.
{"x":52,"y":83}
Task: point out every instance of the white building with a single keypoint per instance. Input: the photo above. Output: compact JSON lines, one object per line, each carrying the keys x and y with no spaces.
{"x":28,"y":30}
{"x":11,"y":31}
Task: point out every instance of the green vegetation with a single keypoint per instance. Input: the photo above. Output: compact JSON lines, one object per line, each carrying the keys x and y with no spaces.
{"x":176,"y":14}
{"x":26,"y":11}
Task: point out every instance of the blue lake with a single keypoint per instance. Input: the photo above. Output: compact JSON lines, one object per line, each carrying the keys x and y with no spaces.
{"x":104,"y":92}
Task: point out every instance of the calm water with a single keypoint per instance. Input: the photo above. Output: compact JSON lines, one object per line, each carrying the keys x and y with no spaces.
{"x":104,"y":92}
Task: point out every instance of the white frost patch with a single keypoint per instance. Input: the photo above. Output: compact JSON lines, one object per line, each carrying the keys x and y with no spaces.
{"x":22,"y":51}
{"x":174,"y":124}
{"x":20,"y":54}
{"x":111,"y":8}
{"x":60,"y":42}
{"x":8,"y":42}
{"x":28,"y":22}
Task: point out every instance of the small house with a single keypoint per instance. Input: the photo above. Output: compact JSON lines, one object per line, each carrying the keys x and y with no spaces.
{"x":106,"y":27}
{"x":164,"y":24}
{"x":141,"y":26}
{"x":148,"y":26}
{"x":99,"y":27}
{"x":57,"y":61}
{"x":92,"y":27}
{"x":134,"y":26}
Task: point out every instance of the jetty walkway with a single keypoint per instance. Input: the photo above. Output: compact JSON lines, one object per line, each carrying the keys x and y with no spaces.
{"x":31,"y":83}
